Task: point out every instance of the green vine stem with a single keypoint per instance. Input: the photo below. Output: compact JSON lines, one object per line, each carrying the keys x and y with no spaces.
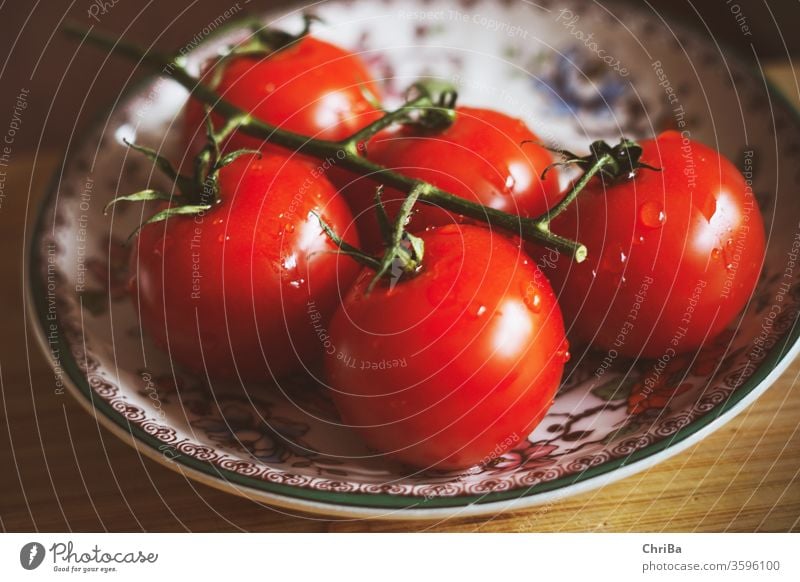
{"x":346,"y":152}
{"x":403,"y":251}
{"x":427,"y":103}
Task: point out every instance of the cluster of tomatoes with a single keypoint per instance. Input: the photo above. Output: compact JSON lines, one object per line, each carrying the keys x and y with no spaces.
{"x":457,"y":362}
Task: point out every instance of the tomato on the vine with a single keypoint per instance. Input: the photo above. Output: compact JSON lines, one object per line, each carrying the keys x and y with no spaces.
{"x":456,"y":364}
{"x":227,"y":292}
{"x":484,"y":156}
{"x":674,"y":255}
{"x":310,"y":87}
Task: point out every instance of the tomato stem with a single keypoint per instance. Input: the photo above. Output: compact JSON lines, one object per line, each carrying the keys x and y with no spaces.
{"x":433,"y":107}
{"x":345,"y":247}
{"x":404,"y":250}
{"x":428,"y":103}
{"x":352,"y":143}
{"x":598,"y":166}
{"x":613,"y":163}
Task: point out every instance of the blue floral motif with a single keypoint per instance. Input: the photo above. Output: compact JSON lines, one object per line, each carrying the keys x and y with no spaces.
{"x":577,"y":84}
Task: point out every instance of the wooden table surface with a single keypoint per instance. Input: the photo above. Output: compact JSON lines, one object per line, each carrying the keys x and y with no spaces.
{"x":60,"y":471}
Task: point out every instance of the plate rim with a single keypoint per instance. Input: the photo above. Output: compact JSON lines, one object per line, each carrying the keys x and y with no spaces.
{"x":377,"y":505}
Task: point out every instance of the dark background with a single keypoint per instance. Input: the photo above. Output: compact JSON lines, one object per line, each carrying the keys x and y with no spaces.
{"x":37,"y":55}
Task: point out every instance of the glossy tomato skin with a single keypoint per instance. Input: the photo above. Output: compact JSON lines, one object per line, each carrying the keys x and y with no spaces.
{"x":228,"y":293}
{"x":311,"y":87}
{"x":673,"y":255}
{"x":480,"y":157}
{"x":456,"y":365}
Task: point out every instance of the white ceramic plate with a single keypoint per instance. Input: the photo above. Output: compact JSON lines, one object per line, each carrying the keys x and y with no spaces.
{"x":533,"y":61}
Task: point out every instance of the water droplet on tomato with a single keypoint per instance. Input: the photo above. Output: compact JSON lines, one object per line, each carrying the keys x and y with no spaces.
{"x":217,"y":221}
{"x":534,"y":301}
{"x":480,"y":311}
{"x":531,"y":296}
{"x":288,"y":228}
{"x":509,"y":185}
{"x":716,"y":253}
{"x":223,"y":238}
{"x":652,"y":215}
{"x":728,"y":252}
{"x":296,"y":284}
{"x":614,"y":259}
{"x":563,"y":352}
{"x":448,"y":229}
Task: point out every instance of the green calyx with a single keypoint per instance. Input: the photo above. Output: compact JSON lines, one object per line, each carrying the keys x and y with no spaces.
{"x":611,"y":163}
{"x":403,"y":251}
{"x":439,"y":99}
{"x":197,"y":192}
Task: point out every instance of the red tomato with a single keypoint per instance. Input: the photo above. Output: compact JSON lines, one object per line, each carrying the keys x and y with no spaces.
{"x":456,"y":365}
{"x":673,"y":255}
{"x":310,"y":87}
{"x":480,"y":157}
{"x":230,"y":293}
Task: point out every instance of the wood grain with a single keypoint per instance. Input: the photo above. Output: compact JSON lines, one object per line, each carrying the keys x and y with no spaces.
{"x":60,"y":471}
